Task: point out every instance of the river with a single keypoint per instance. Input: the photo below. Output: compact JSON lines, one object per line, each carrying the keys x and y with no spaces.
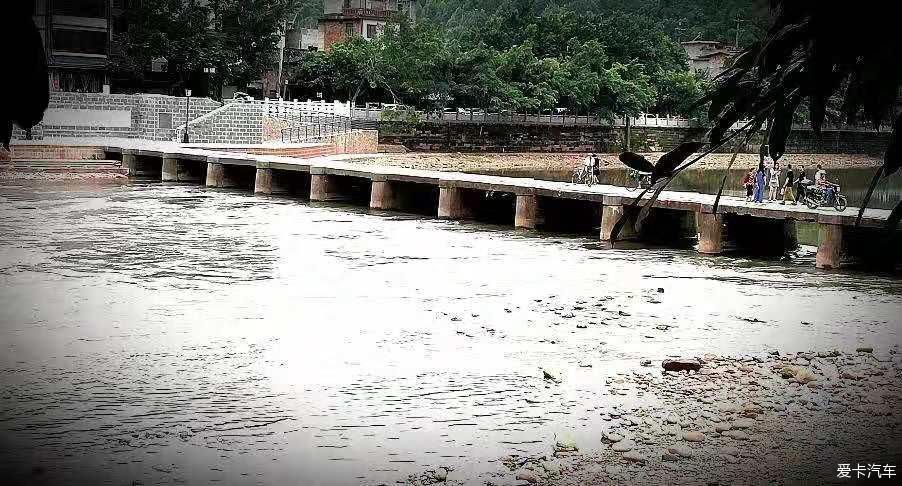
{"x":156,"y":333}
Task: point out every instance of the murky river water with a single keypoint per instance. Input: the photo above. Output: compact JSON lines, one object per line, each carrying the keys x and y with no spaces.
{"x":158,"y":333}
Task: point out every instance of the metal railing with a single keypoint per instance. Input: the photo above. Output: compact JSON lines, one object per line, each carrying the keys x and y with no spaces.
{"x":475,"y":115}
{"x":308,"y":127}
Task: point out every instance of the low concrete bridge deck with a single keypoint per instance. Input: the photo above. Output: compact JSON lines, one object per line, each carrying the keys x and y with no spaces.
{"x":270,"y":173}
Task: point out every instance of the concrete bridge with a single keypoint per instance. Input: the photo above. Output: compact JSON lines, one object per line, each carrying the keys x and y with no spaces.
{"x":525,"y":203}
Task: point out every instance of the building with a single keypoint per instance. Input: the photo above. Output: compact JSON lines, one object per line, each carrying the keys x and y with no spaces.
{"x":366,"y":18}
{"x":305,"y":40}
{"x":709,"y":57}
{"x":77,"y":35}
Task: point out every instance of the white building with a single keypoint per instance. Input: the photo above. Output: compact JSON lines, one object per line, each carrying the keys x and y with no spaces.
{"x":709,"y":57}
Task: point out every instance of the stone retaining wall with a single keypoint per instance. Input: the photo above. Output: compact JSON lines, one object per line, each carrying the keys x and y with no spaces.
{"x":46,"y":152}
{"x":91,"y":115}
{"x":235,"y":123}
{"x":467,"y":137}
{"x":355,"y":142}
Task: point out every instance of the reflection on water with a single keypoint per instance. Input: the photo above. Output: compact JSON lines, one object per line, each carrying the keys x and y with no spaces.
{"x":854,"y":182}
{"x":161,"y":333}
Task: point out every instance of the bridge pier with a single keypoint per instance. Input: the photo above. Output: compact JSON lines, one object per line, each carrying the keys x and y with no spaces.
{"x":170,"y":169}
{"x":221,"y":175}
{"x":710,"y":233}
{"x":268,"y":181}
{"x":830,"y":246}
{"x":215,"y":174}
{"x":790,"y":235}
{"x":452,"y":203}
{"x":383,"y":195}
{"x":526,"y":212}
{"x":323,"y":187}
{"x":610,"y":214}
{"x":130,"y":161}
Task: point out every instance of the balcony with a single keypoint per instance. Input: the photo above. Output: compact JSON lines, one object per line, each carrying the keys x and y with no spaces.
{"x":370,"y":13}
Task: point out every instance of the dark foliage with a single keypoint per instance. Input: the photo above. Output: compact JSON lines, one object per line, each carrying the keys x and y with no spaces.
{"x":666,"y":165}
{"x":23,"y":83}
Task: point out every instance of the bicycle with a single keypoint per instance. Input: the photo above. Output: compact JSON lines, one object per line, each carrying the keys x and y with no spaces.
{"x":639,"y":180}
{"x":583,"y":175}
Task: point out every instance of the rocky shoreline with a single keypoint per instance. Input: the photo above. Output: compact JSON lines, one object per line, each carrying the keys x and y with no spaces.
{"x":770,"y":419}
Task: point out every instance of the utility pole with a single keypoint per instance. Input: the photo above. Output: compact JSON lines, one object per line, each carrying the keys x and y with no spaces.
{"x":739,"y":22}
{"x":282,"y":40}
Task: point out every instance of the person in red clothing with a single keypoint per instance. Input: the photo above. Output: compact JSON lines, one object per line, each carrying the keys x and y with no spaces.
{"x":748,"y":180}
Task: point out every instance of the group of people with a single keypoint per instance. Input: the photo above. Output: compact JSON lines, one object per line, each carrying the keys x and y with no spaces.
{"x":770,"y":182}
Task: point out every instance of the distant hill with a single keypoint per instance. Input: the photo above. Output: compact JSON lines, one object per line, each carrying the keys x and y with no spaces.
{"x":682,"y":20}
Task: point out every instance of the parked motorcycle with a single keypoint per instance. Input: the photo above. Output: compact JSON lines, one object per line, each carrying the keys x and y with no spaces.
{"x":816,"y":196}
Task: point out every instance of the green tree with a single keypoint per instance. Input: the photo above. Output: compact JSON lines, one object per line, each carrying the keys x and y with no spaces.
{"x":238,"y":37}
{"x":178,"y":31}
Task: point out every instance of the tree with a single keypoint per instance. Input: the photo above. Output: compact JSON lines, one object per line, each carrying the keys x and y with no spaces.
{"x":178,"y":31}
{"x":248,"y":33}
{"x":237,"y":37}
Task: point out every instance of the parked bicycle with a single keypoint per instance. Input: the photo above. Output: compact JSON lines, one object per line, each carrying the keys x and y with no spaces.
{"x":584,"y":175}
{"x":639,"y":180}
{"x":816,"y":196}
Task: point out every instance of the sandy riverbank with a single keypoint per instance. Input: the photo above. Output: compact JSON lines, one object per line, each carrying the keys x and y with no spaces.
{"x":748,"y":420}
{"x":564,"y":162}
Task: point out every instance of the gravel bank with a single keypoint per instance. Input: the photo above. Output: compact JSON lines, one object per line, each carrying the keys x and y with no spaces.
{"x":739,"y":420}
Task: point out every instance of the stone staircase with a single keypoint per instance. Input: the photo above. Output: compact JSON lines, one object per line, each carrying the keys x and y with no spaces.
{"x":60,"y":159}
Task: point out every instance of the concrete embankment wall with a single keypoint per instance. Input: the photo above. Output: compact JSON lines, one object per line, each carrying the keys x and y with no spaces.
{"x":353,"y":142}
{"x":148,"y":117}
{"x":151,"y":117}
{"x":475,"y":137}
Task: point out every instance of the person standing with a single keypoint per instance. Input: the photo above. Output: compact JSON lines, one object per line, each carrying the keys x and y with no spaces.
{"x":760,"y":182}
{"x":801,"y":185}
{"x":788,"y":185}
{"x":774,"y":182}
{"x":748,"y":180}
{"x":596,"y":167}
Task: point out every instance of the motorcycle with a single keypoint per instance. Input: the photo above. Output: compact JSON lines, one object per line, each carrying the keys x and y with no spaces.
{"x":816,"y":196}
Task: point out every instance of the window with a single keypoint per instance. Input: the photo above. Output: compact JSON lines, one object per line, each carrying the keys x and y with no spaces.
{"x":81,"y":8}
{"x":349,"y":29}
{"x":165,"y":120}
{"x":81,"y":41}
{"x":372,"y":30}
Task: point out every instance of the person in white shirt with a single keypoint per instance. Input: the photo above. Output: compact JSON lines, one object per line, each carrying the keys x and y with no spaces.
{"x":820,"y":177}
{"x":774,"y":182}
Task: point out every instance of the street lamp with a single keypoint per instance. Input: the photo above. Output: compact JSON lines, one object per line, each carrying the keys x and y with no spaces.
{"x":187,"y":115}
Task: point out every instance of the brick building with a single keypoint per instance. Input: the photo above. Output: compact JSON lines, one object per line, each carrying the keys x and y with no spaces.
{"x":77,"y":35}
{"x":366,"y":18}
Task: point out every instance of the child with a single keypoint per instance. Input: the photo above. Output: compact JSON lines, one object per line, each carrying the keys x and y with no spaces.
{"x":749,"y":182}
